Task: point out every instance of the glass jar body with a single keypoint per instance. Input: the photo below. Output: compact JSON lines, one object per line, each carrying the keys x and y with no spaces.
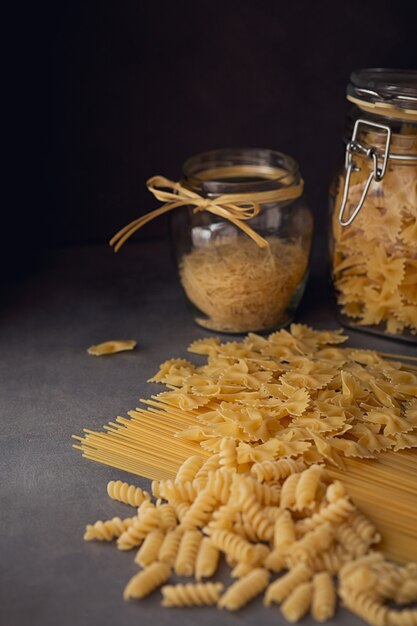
{"x":374,"y":258}
{"x":231,"y":283}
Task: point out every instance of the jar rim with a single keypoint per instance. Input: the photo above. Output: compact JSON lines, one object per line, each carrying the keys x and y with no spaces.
{"x":243,"y":170}
{"x":396,"y":88}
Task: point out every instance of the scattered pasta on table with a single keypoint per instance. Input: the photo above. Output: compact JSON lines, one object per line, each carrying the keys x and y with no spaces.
{"x":275,"y":420}
{"x":316,"y":535}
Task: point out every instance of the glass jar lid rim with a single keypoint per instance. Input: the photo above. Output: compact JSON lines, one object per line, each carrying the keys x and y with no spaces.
{"x":395,"y":87}
{"x":214,"y":170}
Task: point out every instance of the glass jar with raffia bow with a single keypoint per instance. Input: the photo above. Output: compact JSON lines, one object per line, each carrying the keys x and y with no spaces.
{"x":242,"y":234}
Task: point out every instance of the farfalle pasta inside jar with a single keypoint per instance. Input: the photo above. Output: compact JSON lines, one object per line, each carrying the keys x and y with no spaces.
{"x":374,"y":207}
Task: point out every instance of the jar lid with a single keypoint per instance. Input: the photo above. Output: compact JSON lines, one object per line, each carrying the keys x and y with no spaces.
{"x":383,"y":91}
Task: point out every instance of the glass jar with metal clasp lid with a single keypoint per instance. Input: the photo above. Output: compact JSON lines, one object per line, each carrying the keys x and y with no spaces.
{"x":373,"y":202}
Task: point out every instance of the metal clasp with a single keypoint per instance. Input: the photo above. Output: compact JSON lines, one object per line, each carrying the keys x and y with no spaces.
{"x":377,"y":173}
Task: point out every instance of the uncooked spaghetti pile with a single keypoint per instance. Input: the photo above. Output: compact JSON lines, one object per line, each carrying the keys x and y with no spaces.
{"x":240,"y":286}
{"x":375,"y":258}
{"x":283,"y":528}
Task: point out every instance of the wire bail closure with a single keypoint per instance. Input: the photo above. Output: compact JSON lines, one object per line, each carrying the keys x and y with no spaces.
{"x":377,"y":173}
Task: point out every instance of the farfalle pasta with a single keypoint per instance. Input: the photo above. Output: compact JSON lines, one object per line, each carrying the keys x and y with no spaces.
{"x":374,"y":259}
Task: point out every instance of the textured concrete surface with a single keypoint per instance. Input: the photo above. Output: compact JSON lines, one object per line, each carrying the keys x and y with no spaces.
{"x":50,"y":389}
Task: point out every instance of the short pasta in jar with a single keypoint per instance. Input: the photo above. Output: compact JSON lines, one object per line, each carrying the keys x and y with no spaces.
{"x":374,"y":207}
{"x":243,"y":262}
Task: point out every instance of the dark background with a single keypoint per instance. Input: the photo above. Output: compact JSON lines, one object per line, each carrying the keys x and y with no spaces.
{"x":115,"y":92}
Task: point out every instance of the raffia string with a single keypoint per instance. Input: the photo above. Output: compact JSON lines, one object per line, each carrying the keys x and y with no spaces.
{"x":236,"y":207}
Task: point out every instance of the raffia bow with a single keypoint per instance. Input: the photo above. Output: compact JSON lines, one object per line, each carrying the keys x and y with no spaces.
{"x":236,"y":208}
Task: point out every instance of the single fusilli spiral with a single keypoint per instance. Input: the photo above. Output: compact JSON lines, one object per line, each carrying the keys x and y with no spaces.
{"x":200,"y":594}
{"x":288,"y":491}
{"x":350,"y":540}
{"x":307,"y":486}
{"x":233,"y":545}
{"x":188,"y":470}
{"x":149,"y":550}
{"x":200,"y":511}
{"x":219,"y":484}
{"x":364,"y":528}
{"x":335,"y":491}
{"x":282,"y":587}
{"x":155,"y":488}
{"x":250,"y":506}
{"x":143,"y":525}
{"x":169,"y":548}
{"x":228,"y":455}
{"x":147,"y":580}
{"x":245,"y":589}
{"x":179,"y":492}
{"x":187,"y":553}
{"x":210,"y":465}
{"x":268,"y":495}
{"x":241,"y":569}
{"x":207,"y":559}
{"x":324,"y":597}
{"x":298,"y":602}
{"x":267,"y":471}
{"x":108,"y":530}
{"x":168,"y":516}
{"x":284,"y":531}
{"x":128,"y":494}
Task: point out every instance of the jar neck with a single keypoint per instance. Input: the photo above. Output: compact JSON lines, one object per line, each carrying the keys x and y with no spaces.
{"x":237,"y":171}
{"x":403,"y":132}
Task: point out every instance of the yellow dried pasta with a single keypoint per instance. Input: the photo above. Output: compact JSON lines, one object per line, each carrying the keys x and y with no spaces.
{"x":324,"y":597}
{"x":281,"y":588}
{"x":374,"y":258}
{"x":108,"y":530}
{"x":149,"y":550}
{"x":219,"y":280}
{"x":298,"y":602}
{"x":169,"y":547}
{"x":280,"y":514}
{"x":207,"y":559}
{"x":110,"y":347}
{"x":244,"y":590}
{"x":128,"y":494}
{"x":187,"y":552}
{"x":200,"y":594}
{"x":146,"y":581}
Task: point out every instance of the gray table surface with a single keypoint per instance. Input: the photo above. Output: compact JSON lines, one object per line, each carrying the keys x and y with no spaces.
{"x":50,"y":389}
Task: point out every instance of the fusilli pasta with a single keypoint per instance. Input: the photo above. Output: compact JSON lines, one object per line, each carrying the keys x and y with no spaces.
{"x":146,"y":581}
{"x":200,"y":594}
{"x":128,"y":494}
{"x":244,"y":590}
